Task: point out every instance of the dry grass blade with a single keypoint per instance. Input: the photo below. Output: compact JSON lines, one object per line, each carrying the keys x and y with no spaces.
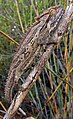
{"x":4,"y":34}
{"x":19,"y":17}
{"x":35,"y":7}
{"x":2,"y":106}
{"x":54,"y":94}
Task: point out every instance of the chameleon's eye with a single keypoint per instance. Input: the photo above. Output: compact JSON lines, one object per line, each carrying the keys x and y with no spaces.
{"x":53,"y":12}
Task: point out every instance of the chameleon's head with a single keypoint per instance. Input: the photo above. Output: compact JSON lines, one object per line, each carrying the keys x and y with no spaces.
{"x":50,"y":12}
{"x":54,"y":9}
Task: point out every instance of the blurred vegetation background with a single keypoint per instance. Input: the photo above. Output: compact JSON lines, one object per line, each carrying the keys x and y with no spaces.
{"x":15,"y":17}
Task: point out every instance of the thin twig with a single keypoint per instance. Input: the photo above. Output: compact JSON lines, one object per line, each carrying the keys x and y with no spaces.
{"x":63,"y":79}
{"x":35,"y":8}
{"x":2,"y":106}
{"x":19,"y":17}
{"x":4,"y":34}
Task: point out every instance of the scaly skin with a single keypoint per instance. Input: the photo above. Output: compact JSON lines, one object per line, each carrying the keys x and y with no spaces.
{"x":32,"y":46}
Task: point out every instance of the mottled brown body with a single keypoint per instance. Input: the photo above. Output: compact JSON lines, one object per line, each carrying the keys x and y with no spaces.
{"x":33,"y":45}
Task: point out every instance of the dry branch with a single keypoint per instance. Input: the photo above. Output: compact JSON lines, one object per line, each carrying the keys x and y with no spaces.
{"x":33,"y":76}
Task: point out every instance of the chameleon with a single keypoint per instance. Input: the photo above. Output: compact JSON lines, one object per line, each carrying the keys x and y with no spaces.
{"x":33,"y":45}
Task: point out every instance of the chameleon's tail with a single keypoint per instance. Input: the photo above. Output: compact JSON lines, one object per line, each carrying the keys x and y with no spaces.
{"x":10,"y":84}
{"x":8,"y":89}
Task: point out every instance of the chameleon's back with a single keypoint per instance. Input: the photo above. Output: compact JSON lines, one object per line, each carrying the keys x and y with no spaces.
{"x":31,"y":46}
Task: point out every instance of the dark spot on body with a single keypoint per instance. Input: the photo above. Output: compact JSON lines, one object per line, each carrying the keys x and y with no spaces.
{"x":32,"y":42}
{"x":24,"y":49}
{"x":36,"y":35}
{"x":44,"y":50}
{"x":27,"y":48}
